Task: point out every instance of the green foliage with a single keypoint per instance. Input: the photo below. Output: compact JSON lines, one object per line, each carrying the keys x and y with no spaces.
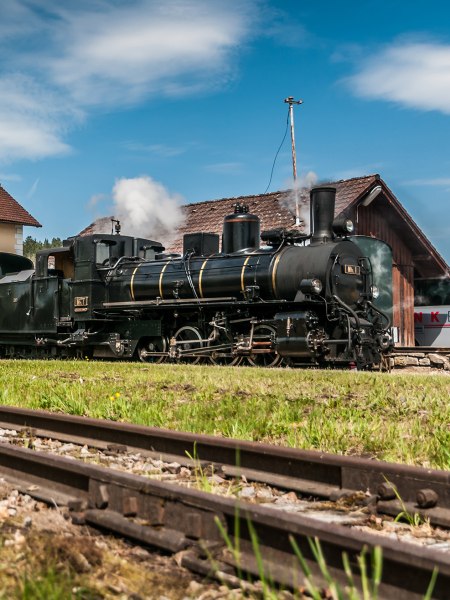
{"x":364,"y":585}
{"x":414,"y":519}
{"x":52,"y":584}
{"x":201,"y":478}
{"x":268,"y":587}
{"x":370,"y":567}
{"x":32,"y":245}
{"x":369,"y":584}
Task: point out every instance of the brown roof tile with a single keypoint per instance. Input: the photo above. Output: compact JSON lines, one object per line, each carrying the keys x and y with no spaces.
{"x":101,"y":225}
{"x":12,"y":212}
{"x":276,"y":209}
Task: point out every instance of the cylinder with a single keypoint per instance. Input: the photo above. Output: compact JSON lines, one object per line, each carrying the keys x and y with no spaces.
{"x":322,"y":213}
{"x":241,"y":231}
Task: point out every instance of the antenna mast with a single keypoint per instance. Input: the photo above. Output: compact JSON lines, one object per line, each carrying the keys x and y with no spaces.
{"x":290,"y":100}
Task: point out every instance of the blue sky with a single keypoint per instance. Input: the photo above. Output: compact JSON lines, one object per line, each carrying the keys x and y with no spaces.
{"x":183,"y":100}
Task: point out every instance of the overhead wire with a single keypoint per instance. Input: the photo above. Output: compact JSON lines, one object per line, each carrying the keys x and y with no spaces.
{"x":278,"y":151}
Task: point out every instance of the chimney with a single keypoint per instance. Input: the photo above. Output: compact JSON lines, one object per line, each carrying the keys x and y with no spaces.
{"x":322,"y":213}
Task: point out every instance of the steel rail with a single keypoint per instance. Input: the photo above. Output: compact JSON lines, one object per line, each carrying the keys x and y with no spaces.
{"x":418,"y":349}
{"x":392,"y":488}
{"x":176,"y":519}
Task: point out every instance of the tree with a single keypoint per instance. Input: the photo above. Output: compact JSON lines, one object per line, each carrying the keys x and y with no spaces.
{"x":32,"y":245}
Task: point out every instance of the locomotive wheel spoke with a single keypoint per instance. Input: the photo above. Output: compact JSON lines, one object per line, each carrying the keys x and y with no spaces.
{"x":188,"y":339}
{"x":225,"y":360}
{"x":263,"y":336}
{"x":149,"y":346}
{"x":223,"y":356}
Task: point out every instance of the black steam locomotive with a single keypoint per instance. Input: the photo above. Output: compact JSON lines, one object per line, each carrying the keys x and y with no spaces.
{"x":308,"y":299}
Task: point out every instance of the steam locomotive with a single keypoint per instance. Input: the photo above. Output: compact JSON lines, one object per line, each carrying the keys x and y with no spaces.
{"x":307,"y":299}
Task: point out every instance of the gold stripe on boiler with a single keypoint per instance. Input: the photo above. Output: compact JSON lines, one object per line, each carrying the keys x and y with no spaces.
{"x":161,"y":280}
{"x":274,"y":272}
{"x":200,"y":275}
{"x":132,"y":283}
{"x":242,"y":273}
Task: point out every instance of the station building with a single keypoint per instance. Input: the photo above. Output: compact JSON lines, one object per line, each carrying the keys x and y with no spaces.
{"x":13,"y":217}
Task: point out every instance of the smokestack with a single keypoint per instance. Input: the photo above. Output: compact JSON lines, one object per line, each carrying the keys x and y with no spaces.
{"x":322,"y":213}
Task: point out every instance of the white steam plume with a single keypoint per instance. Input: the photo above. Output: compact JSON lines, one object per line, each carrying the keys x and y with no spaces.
{"x":298,"y":200}
{"x":146,"y":208}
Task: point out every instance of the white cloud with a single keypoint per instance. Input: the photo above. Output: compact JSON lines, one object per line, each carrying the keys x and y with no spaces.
{"x":32,"y":119}
{"x":412,"y":74}
{"x":118,"y":54}
{"x":70,"y":59}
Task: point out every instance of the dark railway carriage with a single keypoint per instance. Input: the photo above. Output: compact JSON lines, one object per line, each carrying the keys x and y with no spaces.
{"x":308,"y":299}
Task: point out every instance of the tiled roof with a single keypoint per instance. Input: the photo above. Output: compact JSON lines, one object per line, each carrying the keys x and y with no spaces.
{"x":102,"y":225}
{"x":275,"y":210}
{"x":12,"y":212}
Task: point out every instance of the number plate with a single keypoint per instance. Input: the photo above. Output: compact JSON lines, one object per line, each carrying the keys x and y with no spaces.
{"x":352,"y":269}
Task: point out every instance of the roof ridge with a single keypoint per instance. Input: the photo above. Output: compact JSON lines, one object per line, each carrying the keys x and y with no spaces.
{"x":13,"y":211}
{"x":237,"y":197}
{"x":278,"y":192}
{"x":375,"y":175}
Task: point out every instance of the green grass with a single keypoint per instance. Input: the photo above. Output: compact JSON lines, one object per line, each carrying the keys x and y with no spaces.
{"x":51,"y":584}
{"x":395,"y":417}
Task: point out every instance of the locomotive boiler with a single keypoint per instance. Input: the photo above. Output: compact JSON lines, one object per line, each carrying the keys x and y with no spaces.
{"x":307,"y":299}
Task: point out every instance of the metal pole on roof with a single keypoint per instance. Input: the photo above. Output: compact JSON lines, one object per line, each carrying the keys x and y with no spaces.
{"x":290,"y":100}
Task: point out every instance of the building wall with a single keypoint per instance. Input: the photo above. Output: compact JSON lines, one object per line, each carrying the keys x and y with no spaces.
{"x":19,"y":239}
{"x":373,"y":220}
{"x":11,"y":238}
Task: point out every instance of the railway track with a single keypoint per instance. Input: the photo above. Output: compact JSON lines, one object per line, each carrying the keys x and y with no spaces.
{"x":177,"y":519}
{"x":425,"y":349}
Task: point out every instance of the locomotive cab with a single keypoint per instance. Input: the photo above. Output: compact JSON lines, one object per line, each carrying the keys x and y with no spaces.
{"x":95,"y":257}
{"x":55,"y":262}
{"x":50,"y":294}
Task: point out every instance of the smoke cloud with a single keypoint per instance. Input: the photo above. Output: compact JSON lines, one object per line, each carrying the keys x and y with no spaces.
{"x":146,"y":208}
{"x":298,"y":200}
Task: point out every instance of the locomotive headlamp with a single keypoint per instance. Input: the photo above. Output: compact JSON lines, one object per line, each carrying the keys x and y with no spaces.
{"x":349,"y":227}
{"x":343,"y":226}
{"x":375,"y":292}
{"x":311,"y":286}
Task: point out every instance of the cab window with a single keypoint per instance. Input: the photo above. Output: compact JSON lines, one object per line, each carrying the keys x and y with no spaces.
{"x":102,"y":253}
